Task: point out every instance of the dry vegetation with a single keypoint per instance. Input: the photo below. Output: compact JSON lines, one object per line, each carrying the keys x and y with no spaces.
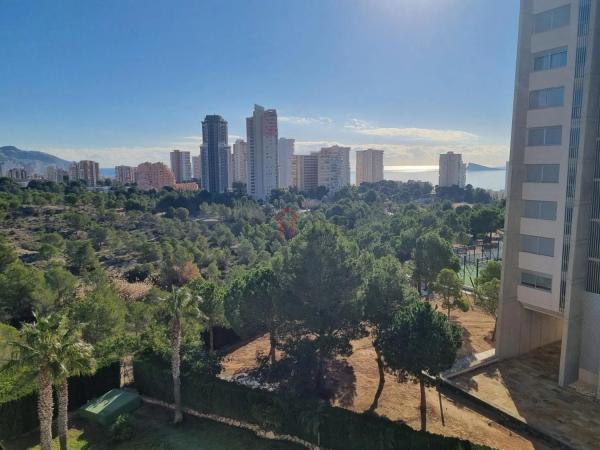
{"x":400,"y":401}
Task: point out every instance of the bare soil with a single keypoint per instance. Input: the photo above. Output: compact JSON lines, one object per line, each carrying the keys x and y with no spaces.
{"x":400,"y":401}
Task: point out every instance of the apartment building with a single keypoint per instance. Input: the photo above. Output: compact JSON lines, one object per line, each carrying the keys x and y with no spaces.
{"x":262,"y":139}
{"x":334,"y":167}
{"x":551,"y":271}
{"x":285,"y":154}
{"x":88,"y":171}
{"x":153,"y":176}
{"x":181,"y":166}
{"x":305,"y":172}
{"x":215,"y":154}
{"x":453,"y":172}
{"x":369,"y":166}
{"x":125,"y":174}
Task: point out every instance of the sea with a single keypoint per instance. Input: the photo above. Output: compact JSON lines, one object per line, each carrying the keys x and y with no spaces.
{"x":485,"y":179}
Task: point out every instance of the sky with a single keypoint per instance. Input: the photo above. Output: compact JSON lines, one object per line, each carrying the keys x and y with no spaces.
{"x":125,"y":81}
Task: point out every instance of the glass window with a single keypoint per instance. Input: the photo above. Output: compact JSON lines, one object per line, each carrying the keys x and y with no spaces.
{"x":544,"y":136}
{"x":537,"y":245}
{"x":547,"y":98}
{"x":536,"y":209}
{"x":553,"y":18}
{"x":550,"y":59}
{"x":542,"y":173}
{"x":537,"y":280}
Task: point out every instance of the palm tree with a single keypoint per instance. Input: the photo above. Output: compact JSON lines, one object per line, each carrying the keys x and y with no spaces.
{"x":39,"y":348}
{"x":210,"y":305}
{"x":76,"y":358}
{"x":179,"y":304}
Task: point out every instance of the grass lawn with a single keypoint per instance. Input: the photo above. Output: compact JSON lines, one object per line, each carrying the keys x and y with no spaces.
{"x":154,"y":431}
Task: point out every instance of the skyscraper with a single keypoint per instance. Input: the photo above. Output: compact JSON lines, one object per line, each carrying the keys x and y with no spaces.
{"x":125,"y":174}
{"x":305,"y":172}
{"x":369,"y":166}
{"x":240,"y":162}
{"x":85,"y":170}
{"x":453,"y":172}
{"x":215,"y":154}
{"x":285,"y":153}
{"x":551,"y":267}
{"x":334,"y":167}
{"x":196,"y":168}
{"x":261,"y":131}
{"x":181,"y":166}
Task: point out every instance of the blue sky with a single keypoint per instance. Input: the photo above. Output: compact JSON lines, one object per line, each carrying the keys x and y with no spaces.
{"x":123,"y":81}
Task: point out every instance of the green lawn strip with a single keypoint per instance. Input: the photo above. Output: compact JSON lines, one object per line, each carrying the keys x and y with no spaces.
{"x":154,"y":431}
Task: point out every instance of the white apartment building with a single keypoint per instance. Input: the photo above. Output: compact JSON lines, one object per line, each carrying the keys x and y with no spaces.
{"x":181,"y":166}
{"x":369,"y":166}
{"x":453,"y":172}
{"x":125,"y":174}
{"x":334,"y":167}
{"x":551,"y":271}
{"x":285,"y":154}
{"x":262,"y":137}
{"x":240,"y":162}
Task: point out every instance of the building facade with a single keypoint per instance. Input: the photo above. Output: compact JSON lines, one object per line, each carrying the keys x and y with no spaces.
{"x":196,"y":168}
{"x":181,"y":166}
{"x":285,"y":155}
{"x":56,"y":174}
{"x":153,"y":176}
{"x":125,"y":174}
{"x":369,"y":166}
{"x":215,"y":154}
{"x":305,"y":172}
{"x":334,"y":167}
{"x":88,"y":171}
{"x":240,"y":162}
{"x":18,"y":174}
{"x":453,"y":172}
{"x":262,"y":140}
{"x":551,"y":271}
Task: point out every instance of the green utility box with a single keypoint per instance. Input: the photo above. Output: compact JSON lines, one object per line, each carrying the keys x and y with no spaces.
{"x":105,"y":409}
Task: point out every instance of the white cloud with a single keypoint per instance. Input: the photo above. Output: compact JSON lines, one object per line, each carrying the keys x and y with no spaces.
{"x":428,"y":134}
{"x":300,"y":120}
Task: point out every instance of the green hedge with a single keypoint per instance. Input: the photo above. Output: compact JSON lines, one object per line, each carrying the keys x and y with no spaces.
{"x":311,"y":420}
{"x":20,"y":415}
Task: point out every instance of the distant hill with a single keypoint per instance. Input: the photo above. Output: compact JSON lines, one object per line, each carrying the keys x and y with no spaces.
{"x":33,"y":160}
{"x":479,"y":168}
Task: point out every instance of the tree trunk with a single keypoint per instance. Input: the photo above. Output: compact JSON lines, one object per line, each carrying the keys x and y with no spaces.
{"x":423,"y":404}
{"x":273,"y":344}
{"x":494,"y":331}
{"x":45,"y":408}
{"x":449,"y":310}
{"x":380,"y":367}
{"x":175,"y":367}
{"x":63,"y":411}
{"x":211,"y":338}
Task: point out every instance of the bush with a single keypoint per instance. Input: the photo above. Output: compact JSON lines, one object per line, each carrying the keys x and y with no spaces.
{"x":310,"y":419}
{"x":19,"y":414}
{"x":123,"y":429}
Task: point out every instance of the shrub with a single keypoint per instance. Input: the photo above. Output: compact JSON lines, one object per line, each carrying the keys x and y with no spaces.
{"x":122,"y":429}
{"x":310,"y":419}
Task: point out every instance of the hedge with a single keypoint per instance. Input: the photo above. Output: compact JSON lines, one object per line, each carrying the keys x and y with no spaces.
{"x":312,"y":420}
{"x":19,"y":416}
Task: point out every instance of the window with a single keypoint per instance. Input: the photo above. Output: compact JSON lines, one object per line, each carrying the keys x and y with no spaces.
{"x":551,"y":19}
{"x":542,"y":173}
{"x":547,"y":98}
{"x":537,"y":245}
{"x":535,"y":209}
{"x":544,"y":136}
{"x":550,"y":59}
{"x":537,"y":280}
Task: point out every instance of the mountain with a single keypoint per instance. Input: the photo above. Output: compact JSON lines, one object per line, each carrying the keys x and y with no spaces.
{"x":479,"y":168}
{"x":33,"y":160}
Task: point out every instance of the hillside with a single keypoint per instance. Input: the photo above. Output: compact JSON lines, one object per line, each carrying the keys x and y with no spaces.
{"x":11,"y":156}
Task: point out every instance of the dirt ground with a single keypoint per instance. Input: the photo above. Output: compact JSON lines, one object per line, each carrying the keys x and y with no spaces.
{"x":400,"y":401}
